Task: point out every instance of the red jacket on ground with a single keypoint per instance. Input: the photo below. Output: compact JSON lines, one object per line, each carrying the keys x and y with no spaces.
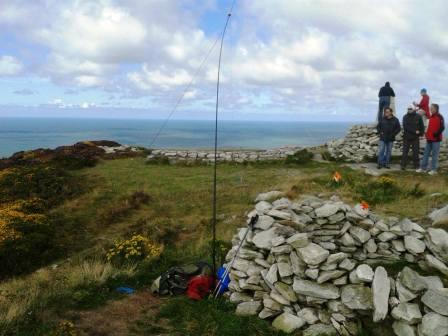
{"x":199,"y":287}
{"x":424,"y":105}
{"x":436,"y":127}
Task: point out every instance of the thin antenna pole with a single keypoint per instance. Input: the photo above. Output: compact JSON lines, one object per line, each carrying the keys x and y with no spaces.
{"x":216,"y":141}
{"x":184,"y":92}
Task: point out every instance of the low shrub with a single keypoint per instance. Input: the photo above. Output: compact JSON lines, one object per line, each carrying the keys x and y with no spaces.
{"x":65,"y":328}
{"x":300,"y":157}
{"x":27,"y":240}
{"x":327,"y":156}
{"x":158,"y":160}
{"x":416,"y":191}
{"x":48,"y":184}
{"x":382,"y":190}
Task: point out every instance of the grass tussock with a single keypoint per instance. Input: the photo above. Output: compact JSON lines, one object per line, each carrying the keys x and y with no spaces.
{"x":25,"y":298}
{"x":123,"y":207}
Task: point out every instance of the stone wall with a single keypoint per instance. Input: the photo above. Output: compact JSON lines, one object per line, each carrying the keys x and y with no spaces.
{"x":230,"y":155}
{"x":318,"y":265}
{"x":361,"y":143}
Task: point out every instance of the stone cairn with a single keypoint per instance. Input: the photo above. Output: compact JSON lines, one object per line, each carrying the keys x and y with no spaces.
{"x":316,"y":265}
{"x":239,"y":156}
{"x":361,"y":144}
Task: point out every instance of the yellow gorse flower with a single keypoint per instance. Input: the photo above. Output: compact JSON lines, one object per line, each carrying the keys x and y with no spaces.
{"x":13,"y":212}
{"x":65,"y":328}
{"x":136,"y":248}
{"x":385,"y":180}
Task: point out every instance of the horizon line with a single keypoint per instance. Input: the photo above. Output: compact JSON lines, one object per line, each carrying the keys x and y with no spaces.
{"x":175,"y":119}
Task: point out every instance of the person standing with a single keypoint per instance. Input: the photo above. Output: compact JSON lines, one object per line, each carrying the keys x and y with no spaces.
{"x":424,"y":105}
{"x":385,"y":94}
{"x":388,"y":128}
{"x":433,"y":135}
{"x":413,"y":129}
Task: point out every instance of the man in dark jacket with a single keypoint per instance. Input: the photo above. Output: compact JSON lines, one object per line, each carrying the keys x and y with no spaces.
{"x":388,"y":128}
{"x":385,"y":94}
{"x":433,"y":135}
{"x":413,"y":129}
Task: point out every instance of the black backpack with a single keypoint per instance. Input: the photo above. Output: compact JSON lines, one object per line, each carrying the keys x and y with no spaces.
{"x":175,"y":280}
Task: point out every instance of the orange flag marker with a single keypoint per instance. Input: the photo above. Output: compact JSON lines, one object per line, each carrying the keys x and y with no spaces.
{"x":337,"y":177}
{"x":365,"y":205}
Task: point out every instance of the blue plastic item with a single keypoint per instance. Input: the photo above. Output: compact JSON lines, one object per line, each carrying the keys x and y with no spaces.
{"x":125,"y":290}
{"x":224,"y":282}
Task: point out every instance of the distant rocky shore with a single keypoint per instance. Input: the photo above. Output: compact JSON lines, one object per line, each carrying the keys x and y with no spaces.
{"x":359,"y":145}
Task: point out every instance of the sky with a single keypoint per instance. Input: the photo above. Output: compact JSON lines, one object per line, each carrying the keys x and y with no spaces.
{"x":283,"y":59}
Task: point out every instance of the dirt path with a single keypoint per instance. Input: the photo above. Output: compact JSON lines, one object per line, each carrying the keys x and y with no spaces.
{"x":116,"y":318}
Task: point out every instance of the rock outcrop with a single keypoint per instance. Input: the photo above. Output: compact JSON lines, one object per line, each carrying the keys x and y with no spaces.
{"x":318,"y":265}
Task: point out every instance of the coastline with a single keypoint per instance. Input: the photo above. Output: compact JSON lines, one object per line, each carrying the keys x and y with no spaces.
{"x":23,"y":135}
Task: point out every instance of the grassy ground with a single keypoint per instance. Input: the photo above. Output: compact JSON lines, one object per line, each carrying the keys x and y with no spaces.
{"x":172,"y":205}
{"x":179,"y":198}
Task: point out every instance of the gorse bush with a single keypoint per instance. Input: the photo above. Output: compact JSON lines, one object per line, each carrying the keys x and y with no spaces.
{"x":49,"y":184}
{"x":26,"y":238}
{"x":382,"y":190}
{"x":135,"y":249}
{"x":65,"y":328}
{"x":27,"y":235}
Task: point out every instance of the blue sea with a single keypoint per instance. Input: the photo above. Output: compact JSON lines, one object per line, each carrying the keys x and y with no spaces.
{"x":17,"y":134}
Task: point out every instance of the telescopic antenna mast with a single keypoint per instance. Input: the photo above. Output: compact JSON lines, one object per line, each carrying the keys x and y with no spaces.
{"x":215,"y":161}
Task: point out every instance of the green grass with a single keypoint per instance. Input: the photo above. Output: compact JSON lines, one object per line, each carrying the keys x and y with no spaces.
{"x":30,"y":305}
{"x":172,"y":205}
{"x":180,"y":197}
{"x":206,"y":317}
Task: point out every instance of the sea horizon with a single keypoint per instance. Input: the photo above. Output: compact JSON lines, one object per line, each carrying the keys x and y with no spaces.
{"x":22,"y":134}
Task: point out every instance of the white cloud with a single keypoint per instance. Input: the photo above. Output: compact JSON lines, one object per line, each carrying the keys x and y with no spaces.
{"x":148,"y":79}
{"x":86,"y":105}
{"x":289,"y":55}
{"x":94,"y":32}
{"x":10,"y":66}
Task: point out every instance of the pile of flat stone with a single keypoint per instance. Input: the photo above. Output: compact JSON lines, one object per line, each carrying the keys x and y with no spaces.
{"x":361,"y":144}
{"x":239,"y":156}
{"x":119,"y":149}
{"x":317,"y":265}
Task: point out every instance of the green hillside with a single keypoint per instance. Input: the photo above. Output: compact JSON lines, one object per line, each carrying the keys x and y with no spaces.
{"x":60,"y":221}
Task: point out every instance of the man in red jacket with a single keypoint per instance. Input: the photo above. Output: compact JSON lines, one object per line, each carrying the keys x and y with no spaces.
{"x":424,"y":104}
{"x":433,"y":139}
